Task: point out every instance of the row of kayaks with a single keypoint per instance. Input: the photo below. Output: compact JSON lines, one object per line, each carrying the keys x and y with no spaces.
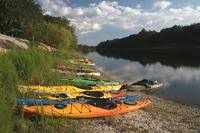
{"x":80,"y":71}
{"x":63,"y":101}
{"x":80,"y":98}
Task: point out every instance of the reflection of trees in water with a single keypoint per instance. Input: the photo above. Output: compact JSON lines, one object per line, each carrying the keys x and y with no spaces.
{"x":174,"y":58}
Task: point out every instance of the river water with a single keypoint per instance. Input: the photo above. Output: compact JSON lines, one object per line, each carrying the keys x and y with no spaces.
{"x":181,"y":84}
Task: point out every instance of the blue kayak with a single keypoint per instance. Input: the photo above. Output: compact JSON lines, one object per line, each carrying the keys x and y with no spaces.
{"x":32,"y":102}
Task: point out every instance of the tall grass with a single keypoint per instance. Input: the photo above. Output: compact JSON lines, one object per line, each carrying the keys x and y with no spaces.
{"x":33,"y":66}
{"x":8,"y":81}
{"x":30,"y":66}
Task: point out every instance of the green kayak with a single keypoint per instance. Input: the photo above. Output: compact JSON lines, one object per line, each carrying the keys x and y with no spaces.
{"x":90,"y":81}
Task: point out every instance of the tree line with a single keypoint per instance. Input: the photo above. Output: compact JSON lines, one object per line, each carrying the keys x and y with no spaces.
{"x":175,"y":37}
{"x":25,"y":19}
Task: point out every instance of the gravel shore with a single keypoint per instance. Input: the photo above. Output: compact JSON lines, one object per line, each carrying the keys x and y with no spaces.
{"x":161,"y":116}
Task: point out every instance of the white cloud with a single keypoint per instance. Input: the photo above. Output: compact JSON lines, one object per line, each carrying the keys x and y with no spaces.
{"x":161,"y":4}
{"x":98,"y":16}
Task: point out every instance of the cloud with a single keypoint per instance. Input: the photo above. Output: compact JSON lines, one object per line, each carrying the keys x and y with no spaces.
{"x":99,"y":16}
{"x":161,"y":4}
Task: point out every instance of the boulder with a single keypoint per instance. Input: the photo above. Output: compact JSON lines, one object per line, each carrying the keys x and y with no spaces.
{"x":7,"y":42}
{"x":46,"y":47}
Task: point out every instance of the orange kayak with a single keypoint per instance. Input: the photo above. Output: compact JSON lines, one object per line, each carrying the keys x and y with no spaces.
{"x":86,"y":110}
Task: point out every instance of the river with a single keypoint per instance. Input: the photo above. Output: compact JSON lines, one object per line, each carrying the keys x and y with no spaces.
{"x":181,"y":84}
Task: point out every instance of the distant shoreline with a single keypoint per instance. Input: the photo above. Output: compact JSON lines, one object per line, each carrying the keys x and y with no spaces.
{"x":187,"y":51}
{"x":172,"y":57}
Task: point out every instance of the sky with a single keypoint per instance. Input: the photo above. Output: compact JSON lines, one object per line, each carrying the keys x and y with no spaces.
{"x":100,"y":20}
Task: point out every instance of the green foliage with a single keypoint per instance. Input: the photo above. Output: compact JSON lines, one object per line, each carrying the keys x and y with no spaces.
{"x":50,"y":34}
{"x":85,"y":48}
{"x":8,"y":82}
{"x":175,"y":37}
{"x":31,"y":66}
{"x":176,"y":46}
{"x":64,"y":23}
{"x":24,"y":18}
{"x":60,"y":21}
{"x":6,"y":122}
{"x":17,"y":13}
{"x":8,"y":76}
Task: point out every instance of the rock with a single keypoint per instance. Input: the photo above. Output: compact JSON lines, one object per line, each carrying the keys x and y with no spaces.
{"x":7,"y":42}
{"x":46,"y":47}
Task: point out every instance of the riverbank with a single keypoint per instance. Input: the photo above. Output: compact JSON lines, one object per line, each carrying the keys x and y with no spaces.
{"x":161,"y":116}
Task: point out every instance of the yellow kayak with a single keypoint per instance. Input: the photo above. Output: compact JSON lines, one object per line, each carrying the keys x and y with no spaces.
{"x":66,"y":88}
{"x":93,"y":94}
{"x":83,"y":62}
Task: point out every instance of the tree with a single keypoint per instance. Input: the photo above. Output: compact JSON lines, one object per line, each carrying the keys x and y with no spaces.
{"x":17,"y":13}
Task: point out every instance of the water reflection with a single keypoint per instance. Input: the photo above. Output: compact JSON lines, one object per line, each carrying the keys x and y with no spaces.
{"x":181,"y":83}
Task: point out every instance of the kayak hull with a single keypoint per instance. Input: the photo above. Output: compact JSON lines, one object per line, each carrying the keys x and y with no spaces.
{"x":83,"y":62}
{"x":120,"y":93}
{"x":82,"y":110}
{"x":88,"y":73}
{"x":90,"y":81}
{"x":66,"y":88}
{"x":142,"y":87}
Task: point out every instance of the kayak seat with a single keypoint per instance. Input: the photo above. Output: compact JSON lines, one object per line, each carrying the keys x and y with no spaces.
{"x":102,"y":104}
{"x":60,"y":106}
{"x":84,"y":87}
{"x":94,"y":93}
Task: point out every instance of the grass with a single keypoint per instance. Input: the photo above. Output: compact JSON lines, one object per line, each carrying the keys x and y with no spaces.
{"x":32,"y":66}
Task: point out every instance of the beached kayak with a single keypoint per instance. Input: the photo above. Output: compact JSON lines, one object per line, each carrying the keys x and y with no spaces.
{"x":84,"y":72}
{"x":67,"y":88}
{"x":32,"y":102}
{"x":93,"y":94}
{"x":88,"y":74}
{"x":83,"y":62}
{"x":89,"y":109}
{"x":90,"y":81}
{"x":145,"y":85}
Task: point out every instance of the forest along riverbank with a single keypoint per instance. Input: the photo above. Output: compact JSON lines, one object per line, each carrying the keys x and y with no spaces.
{"x":161,"y":116}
